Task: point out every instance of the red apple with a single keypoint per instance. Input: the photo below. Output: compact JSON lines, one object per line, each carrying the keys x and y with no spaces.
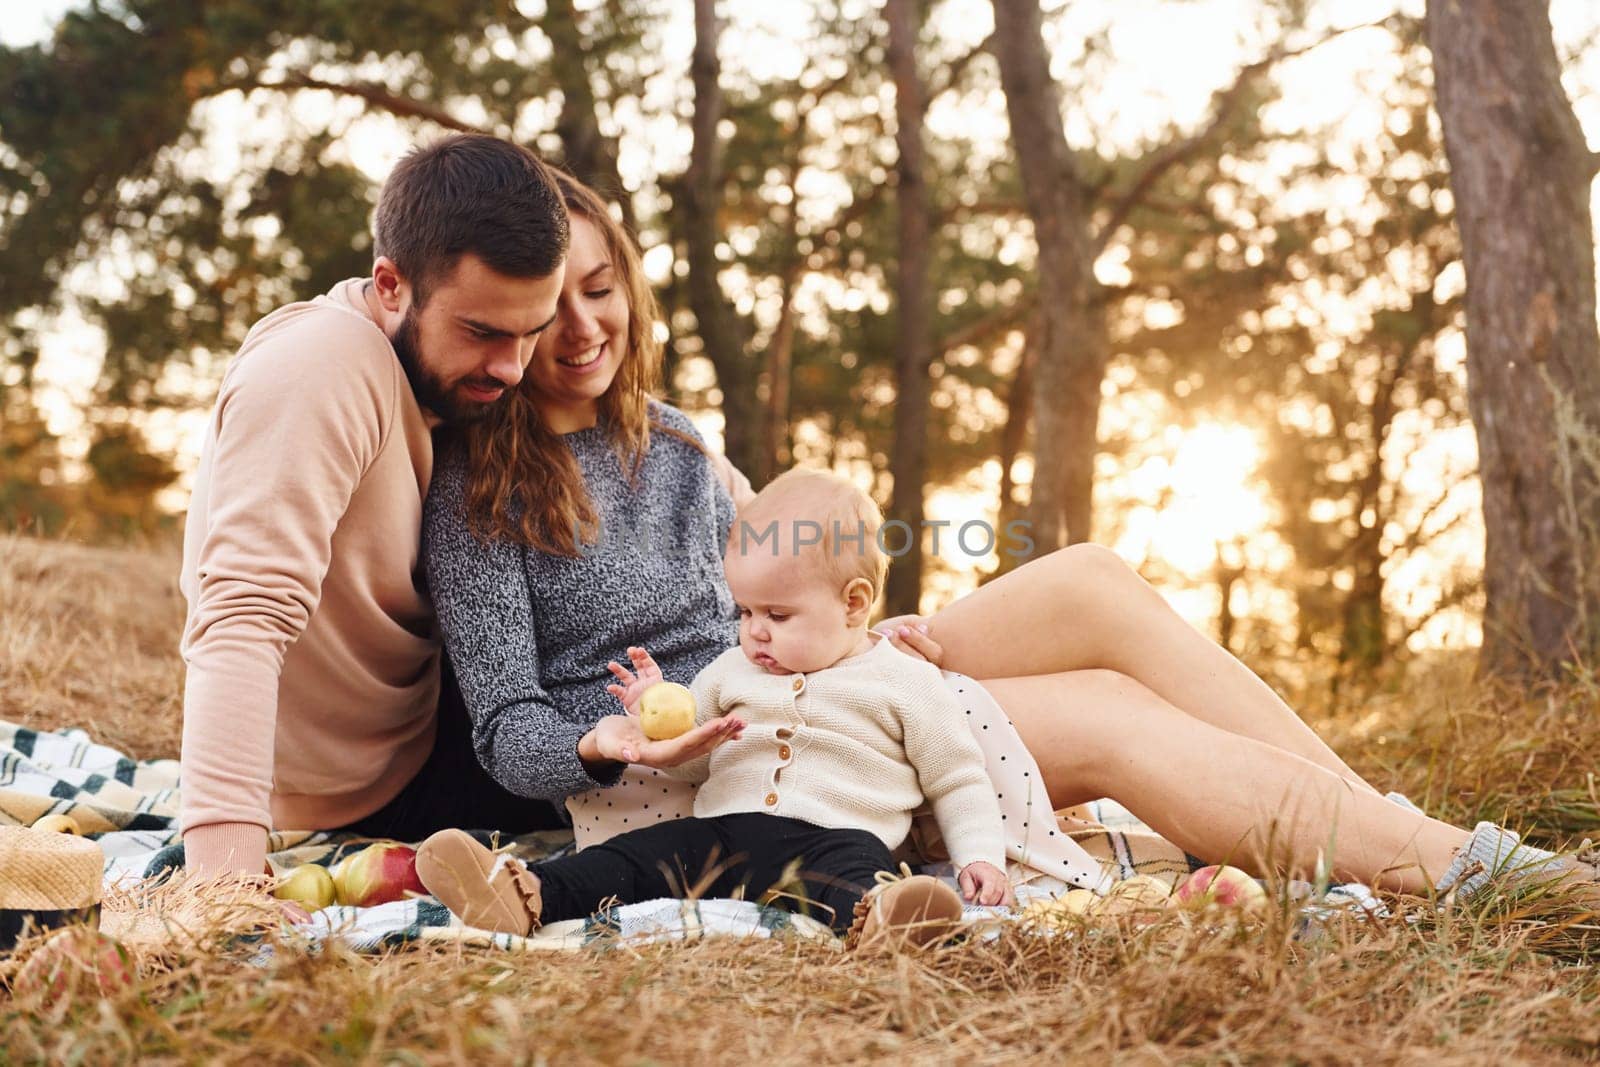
{"x":1227,"y":887}
{"x":77,"y":958}
{"x":378,"y":874}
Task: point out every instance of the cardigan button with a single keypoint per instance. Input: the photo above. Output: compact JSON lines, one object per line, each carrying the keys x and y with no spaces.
{"x":799,"y":682}
{"x":783,"y":751}
{"x":772,"y":799}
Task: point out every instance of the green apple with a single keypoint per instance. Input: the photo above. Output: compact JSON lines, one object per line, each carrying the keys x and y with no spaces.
{"x":309,"y":884}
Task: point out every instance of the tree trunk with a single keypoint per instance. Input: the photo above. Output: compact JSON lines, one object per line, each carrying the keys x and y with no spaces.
{"x":908,"y":460}
{"x":590,"y":155}
{"x":720,"y":330}
{"x":1521,"y":174}
{"x":1364,"y":621}
{"x":1073,"y":347}
{"x":1228,"y":576}
{"x":1013,"y":438}
{"x":777,"y":448}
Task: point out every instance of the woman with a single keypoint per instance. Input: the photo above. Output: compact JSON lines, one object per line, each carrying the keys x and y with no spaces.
{"x":1110,"y":691}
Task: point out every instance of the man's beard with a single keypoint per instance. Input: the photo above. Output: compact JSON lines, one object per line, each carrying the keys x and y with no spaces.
{"x":430,"y":389}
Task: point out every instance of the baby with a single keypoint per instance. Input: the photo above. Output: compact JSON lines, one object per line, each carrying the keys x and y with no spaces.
{"x":834,"y":737}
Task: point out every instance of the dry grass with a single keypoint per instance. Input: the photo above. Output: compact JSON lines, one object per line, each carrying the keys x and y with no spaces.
{"x":86,"y":637}
{"x":1466,"y":751}
{"x":1376,"y":995}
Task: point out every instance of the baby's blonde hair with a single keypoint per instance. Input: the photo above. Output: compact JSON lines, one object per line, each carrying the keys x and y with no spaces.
{"x":846,"y":544}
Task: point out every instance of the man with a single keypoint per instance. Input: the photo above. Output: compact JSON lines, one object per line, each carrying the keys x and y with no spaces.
{"x":314,"y":698}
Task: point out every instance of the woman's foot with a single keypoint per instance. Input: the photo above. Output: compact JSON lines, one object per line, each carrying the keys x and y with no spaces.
{"x":485,"y":889}
{"x":1495,"y":859}
{"x":909,"y":911}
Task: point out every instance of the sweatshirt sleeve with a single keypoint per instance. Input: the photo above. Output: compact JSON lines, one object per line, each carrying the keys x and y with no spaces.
{"x":950,"y":768}
{"x":486,"y":614}
{"x":707,"y":690}
{"x":293,"y":439}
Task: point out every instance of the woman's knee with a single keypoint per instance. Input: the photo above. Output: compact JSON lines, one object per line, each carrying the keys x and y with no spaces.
{"x":1088,"y":559}
{"x":1091,"y":573}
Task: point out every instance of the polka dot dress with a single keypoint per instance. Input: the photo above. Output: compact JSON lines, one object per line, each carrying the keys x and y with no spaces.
{"x":1035,"y":844}
{"x":642,"y":797}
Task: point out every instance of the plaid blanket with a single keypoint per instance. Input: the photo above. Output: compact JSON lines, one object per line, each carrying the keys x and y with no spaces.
{"x":130,"y":807}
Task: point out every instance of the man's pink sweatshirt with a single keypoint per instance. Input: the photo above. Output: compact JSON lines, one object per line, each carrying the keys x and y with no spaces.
{"x":313,"y":660}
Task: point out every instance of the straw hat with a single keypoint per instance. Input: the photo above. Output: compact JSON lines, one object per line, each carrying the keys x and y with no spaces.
{"x":46,"y":880}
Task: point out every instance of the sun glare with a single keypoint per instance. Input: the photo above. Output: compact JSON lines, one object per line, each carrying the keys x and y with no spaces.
{"x":1202,"y":493}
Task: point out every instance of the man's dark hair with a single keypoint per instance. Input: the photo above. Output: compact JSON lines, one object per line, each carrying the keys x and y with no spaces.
{"x":470,"y":193}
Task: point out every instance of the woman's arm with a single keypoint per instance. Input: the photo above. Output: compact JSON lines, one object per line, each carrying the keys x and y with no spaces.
{"x":485,"y":608}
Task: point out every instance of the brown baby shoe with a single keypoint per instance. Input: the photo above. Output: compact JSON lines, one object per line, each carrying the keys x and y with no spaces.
{"x":904,"y":911}
{"x":485,"y":889}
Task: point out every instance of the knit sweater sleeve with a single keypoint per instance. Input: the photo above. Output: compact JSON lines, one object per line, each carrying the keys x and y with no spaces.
{"x":707,"y":690}
{"x":486,"y":614}
{"x":950,"y":768}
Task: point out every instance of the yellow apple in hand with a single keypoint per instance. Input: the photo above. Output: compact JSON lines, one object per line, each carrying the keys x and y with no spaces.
{"x":666,"y":710}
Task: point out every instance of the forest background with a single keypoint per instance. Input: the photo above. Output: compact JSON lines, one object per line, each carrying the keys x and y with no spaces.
{"x":1238,"y":354}
{"x":1291,"y":302}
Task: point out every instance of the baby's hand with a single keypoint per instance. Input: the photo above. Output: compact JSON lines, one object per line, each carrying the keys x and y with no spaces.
{"x":632,"y":686}
{"x":984,"y":883}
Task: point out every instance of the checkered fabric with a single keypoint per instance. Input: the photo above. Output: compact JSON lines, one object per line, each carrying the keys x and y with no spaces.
{"x":130,"y":808}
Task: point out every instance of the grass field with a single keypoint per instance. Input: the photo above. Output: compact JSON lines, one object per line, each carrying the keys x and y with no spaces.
{"x":87,"y":637}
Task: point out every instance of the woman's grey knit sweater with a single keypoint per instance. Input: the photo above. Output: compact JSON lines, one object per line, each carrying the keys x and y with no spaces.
{"x":530,"y":633}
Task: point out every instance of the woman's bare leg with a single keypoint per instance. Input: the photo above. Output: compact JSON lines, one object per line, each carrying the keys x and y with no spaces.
{"x":1216,"y":794}
{"x":1082,"y":607}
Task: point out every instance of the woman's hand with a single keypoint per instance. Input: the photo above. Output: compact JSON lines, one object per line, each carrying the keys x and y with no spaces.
{"x":619,"y":738}
{"x":984,"y":883}
{"x":909,"y":633}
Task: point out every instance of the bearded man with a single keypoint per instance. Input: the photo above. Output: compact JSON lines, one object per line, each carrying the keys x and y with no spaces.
{"x":314,"y":698}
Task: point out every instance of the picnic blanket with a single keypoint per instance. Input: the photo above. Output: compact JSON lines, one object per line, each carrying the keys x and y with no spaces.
{"x":130,"y":808}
